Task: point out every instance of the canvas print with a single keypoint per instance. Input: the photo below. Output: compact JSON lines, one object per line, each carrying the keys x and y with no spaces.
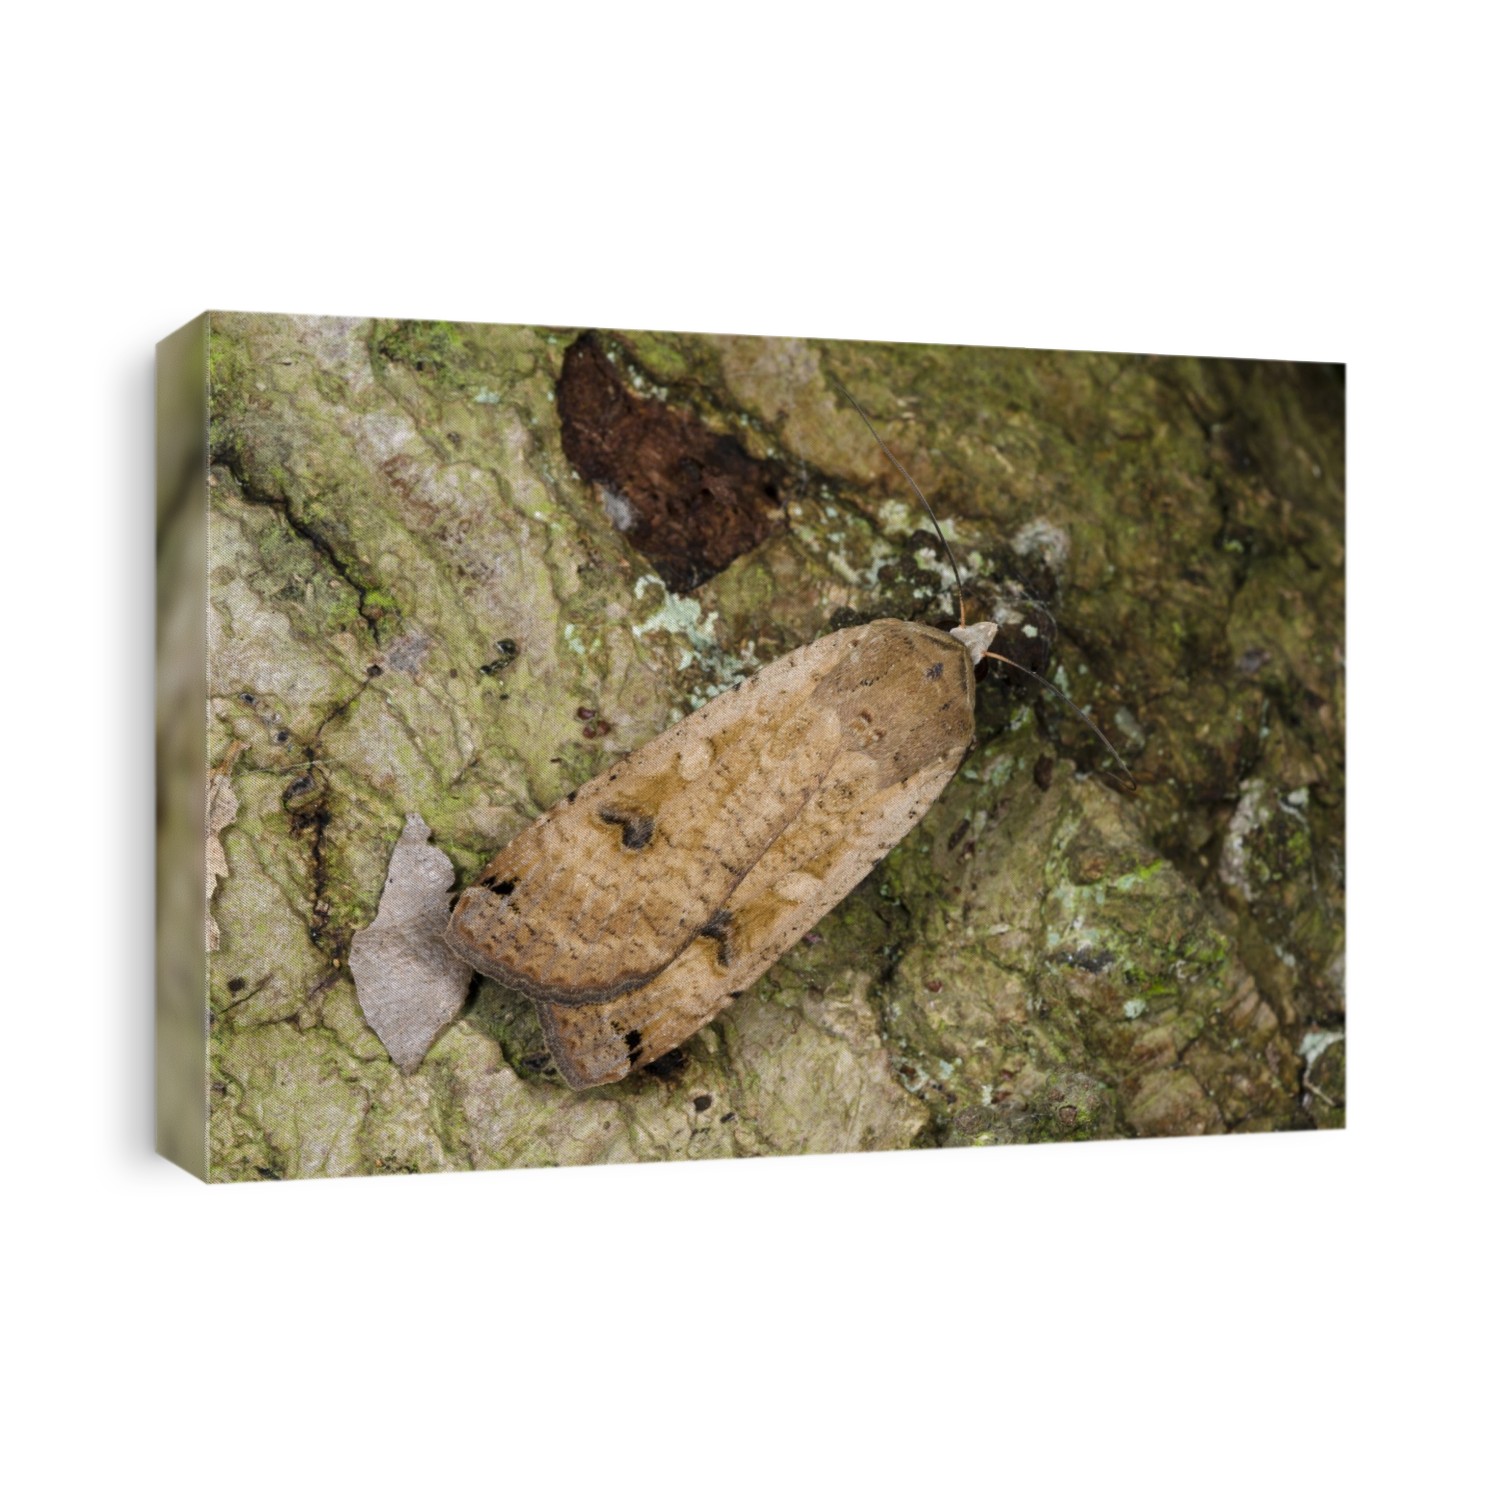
{"x":584,"y":746}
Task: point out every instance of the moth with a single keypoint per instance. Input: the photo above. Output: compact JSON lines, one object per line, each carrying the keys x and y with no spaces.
{"x":634,"y":910}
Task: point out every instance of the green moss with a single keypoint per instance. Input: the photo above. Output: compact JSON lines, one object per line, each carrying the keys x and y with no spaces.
{"x":669,"y":357}
{"x":430,"y":349}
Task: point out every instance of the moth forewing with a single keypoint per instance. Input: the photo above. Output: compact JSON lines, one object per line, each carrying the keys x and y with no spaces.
{"x":815,"y":863}
{"x":606,"y":888}
{"x":764,"y":809}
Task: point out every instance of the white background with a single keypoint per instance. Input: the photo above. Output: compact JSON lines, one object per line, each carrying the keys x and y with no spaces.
{"x":1294,"y":1315}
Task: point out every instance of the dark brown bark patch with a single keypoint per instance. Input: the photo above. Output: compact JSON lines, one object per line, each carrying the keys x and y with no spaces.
{"x":688,"y":499}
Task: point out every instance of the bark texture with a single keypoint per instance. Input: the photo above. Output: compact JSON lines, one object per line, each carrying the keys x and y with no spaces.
{"x":421,"y":604}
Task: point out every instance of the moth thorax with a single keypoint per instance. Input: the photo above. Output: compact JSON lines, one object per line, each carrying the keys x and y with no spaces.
{"x":976,"y":638}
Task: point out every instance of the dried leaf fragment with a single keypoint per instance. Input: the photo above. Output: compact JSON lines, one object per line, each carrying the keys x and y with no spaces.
{"x":409,"y":982}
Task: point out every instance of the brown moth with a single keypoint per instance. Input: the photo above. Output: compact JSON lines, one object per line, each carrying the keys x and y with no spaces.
{"x":634,"y":910}
{"x":639,"y":906}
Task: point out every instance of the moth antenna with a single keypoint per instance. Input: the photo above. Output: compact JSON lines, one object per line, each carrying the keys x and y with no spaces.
{"x":1097,"y":732}
{"x":959,"y":584}
{"x":936,"y":525}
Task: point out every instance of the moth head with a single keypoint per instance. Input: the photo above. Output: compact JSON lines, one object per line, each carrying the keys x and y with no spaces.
{"x":976,"y":639}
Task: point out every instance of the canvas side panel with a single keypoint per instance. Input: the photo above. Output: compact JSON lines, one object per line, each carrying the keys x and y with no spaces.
{"x":181,"y":746}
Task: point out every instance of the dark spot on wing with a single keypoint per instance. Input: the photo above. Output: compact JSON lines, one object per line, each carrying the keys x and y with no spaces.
{"x":635,"y":828}
{"x":934,"y":672}
{"x":498,"y":886}
{"x":633,"y":1046}
{"x":719,"y":927}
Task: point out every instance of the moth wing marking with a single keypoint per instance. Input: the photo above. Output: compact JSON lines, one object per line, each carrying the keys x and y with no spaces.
{"x":817,"y":860}
{"x":604,"y":890}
